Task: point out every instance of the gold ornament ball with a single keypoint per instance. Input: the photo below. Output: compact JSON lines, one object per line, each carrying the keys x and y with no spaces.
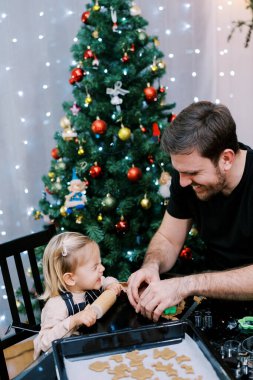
{"x":96,"y":8}
{"x":88,"y":100}
{"x":100,"y":217}
{"x":95,"y":34}
{"x":156,"y":42}
{"x":154,"y":68}
{"x":37,"y":215}
{"x":79,"y":219}
{"x":124,"y":133}
{"x":65,"y":122}
{"x":80,"y":151}
{"x":145,"y":203}
{"x":63,"y":211}
{"x":51,"y":174}
{"x":193,"y":231}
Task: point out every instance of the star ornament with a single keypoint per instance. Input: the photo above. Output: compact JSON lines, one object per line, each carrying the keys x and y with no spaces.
{"x":75,"y":109}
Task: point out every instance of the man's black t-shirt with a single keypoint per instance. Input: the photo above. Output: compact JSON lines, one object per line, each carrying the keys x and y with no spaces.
{"x":225,"y":223}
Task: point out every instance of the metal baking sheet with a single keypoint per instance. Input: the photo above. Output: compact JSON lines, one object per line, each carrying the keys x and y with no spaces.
{"x":74,"y":355}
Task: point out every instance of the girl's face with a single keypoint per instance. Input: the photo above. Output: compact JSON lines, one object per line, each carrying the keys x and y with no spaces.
{"x":88,"y":273}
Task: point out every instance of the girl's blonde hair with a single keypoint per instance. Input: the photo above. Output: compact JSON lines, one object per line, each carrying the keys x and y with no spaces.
{"x":59,"y":258}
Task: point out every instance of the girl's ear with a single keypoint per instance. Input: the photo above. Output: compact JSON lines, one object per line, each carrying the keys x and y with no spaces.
{"x":68,"y":278}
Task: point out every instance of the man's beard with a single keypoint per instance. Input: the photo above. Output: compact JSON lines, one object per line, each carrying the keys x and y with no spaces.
{"x":209,"y":191}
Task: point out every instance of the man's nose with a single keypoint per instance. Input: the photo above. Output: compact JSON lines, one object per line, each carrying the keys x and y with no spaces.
{"x":184,"y":179}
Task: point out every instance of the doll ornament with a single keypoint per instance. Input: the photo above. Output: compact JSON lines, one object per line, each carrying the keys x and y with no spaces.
{"x":164,"y":182}
{"x":76,"y":199}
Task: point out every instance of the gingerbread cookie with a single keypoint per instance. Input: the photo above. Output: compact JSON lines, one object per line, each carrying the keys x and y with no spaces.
{"x":117,"y":358}
{"x":165,"y":353}
{"x":135,"y":358}
{"x":179,"y":309}
{"x":99,"y":366}
{"x":183,"y":358}
{"x":168,"y":368}
{"x":142,"y":373}
{"x":188,"y":368}
{"x":119,"y":371}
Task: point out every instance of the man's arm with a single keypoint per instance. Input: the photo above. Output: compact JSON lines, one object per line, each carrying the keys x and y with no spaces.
{"x":234,"y":284}
{"x":161,"y":255}
{"x":167,"y":243}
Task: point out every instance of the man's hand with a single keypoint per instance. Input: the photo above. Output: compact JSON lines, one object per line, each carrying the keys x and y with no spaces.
{"x":143,"y":276}
{"x":159,"y":295}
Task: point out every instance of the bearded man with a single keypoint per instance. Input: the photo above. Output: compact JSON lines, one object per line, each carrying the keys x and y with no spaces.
{"x":212,"y":188}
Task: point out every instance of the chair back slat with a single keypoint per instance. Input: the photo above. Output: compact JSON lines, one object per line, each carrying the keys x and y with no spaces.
{"x":9,"y":290}
{"x":24,"y":289}
{"x":35,"y":271}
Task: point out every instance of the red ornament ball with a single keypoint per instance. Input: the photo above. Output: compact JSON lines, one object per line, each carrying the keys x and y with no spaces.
{"x":48,"y":191}
{"x":134,"y":174}
{"x":88,"y":54}
{"x":171,"y":117}
{"x":99,"y":127}
{"x":76,"y":75}
{"x":95,"y":171}
{"x":150,"y":159}
{"x":143,"y":129}
{"x":186,"y":254}
{"x":122,"y":226}
{"x":150,"y":93}
{"x":85,"y":16}
{"x":55,"y":153}
{"x":125,"y":58}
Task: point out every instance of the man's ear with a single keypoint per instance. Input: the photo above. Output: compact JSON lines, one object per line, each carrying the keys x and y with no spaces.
{"x":68,"y":278}
{"x":227,"y":158}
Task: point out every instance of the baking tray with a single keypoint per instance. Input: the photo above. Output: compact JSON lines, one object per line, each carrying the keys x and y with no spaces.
{"x":77,"y":352}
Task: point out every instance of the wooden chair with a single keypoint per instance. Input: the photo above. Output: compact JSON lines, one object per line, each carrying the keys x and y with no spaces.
{"x":21,"y":330}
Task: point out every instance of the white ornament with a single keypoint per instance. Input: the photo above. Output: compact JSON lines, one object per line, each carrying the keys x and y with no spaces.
{"x":114,"y":19}
{"x":115,"y":92}
{"x":135,"y":10}
{"x":164,"y":181}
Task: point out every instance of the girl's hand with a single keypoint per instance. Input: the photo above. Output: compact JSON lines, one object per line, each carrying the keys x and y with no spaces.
{"x":85,"y":317}
{"x":114,"y":286}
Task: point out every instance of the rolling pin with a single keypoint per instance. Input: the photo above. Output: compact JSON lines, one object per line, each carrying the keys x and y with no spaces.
{"x":103,"y":303}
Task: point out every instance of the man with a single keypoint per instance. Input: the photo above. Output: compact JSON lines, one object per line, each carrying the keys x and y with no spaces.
{"x":212,"y":187}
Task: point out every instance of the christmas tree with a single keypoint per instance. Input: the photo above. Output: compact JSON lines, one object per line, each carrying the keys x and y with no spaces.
{"x":109,"y":178}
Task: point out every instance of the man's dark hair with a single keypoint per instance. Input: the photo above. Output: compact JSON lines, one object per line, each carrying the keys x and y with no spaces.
{"x":207,"y":127}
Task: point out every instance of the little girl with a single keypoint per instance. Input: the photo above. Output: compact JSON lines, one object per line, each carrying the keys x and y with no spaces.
{"x":73,"y":276}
